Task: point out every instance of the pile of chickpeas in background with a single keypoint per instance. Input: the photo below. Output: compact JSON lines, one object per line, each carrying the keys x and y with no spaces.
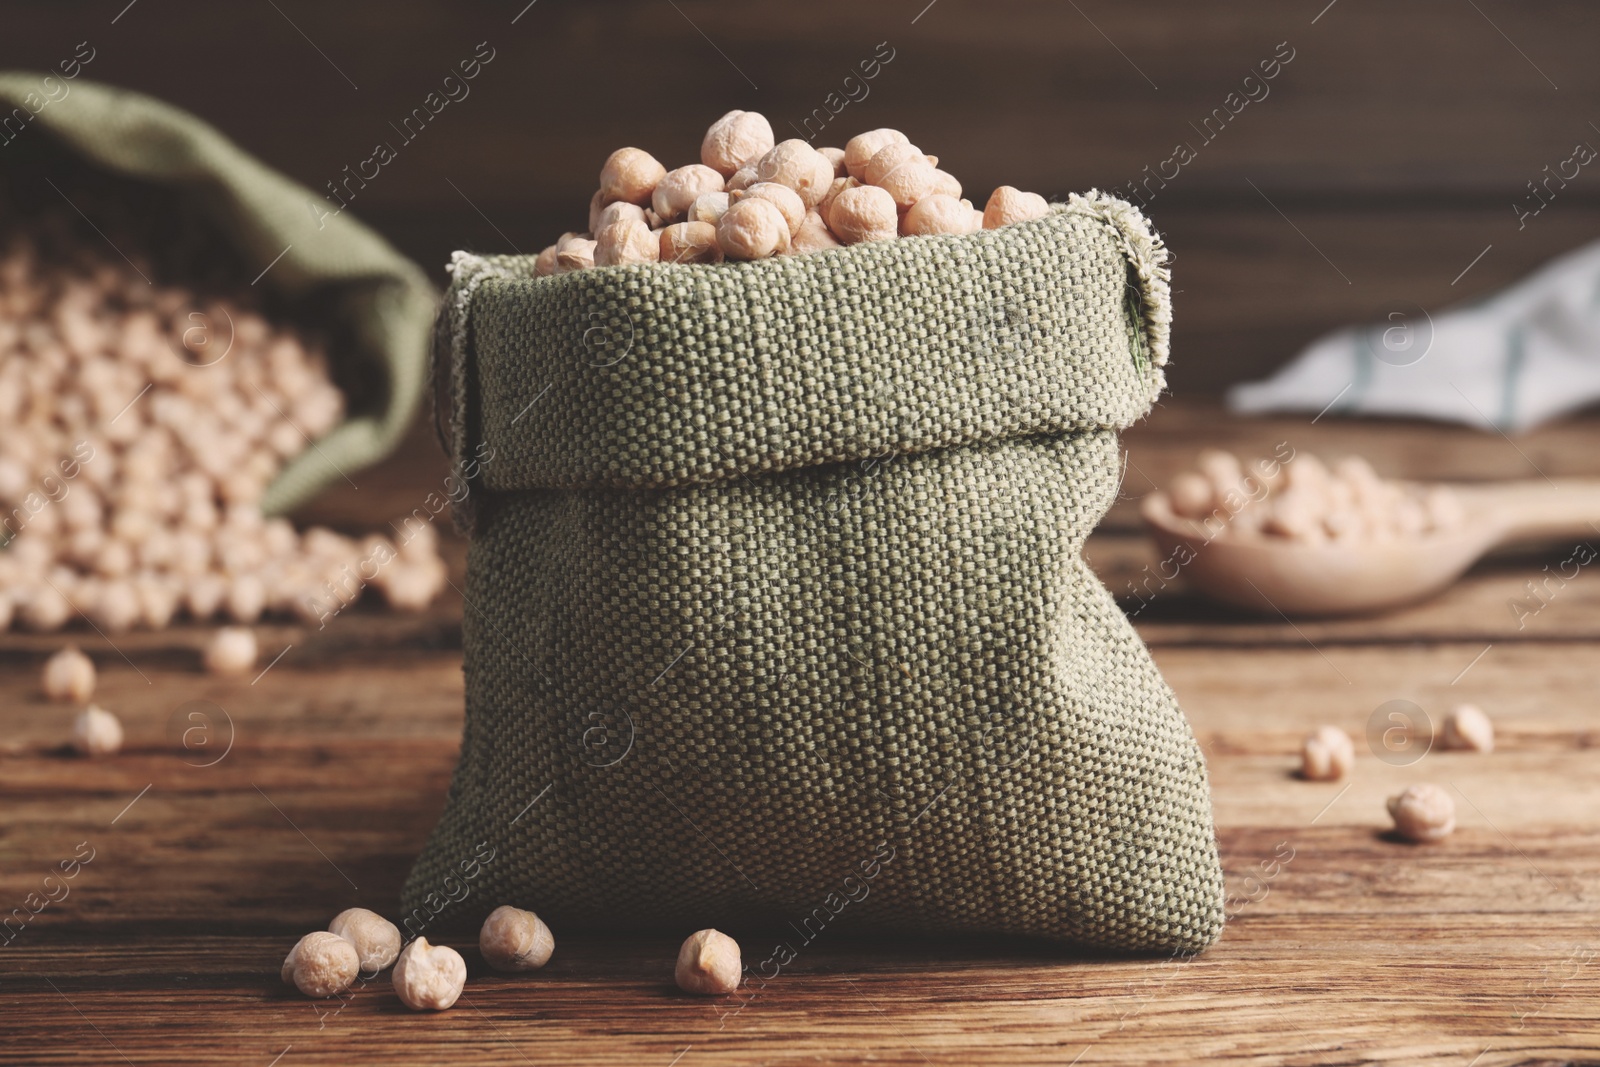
{"x":751,"y":198}
{"x":142,"y":423}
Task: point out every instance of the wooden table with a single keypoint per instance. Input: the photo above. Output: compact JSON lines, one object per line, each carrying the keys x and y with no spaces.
{"x":208,"y":861}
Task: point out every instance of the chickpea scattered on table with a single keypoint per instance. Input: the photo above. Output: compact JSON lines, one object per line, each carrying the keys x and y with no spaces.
{"x":512,"y":939}
{"x":1327,"y":755}
{"x":709,"y":964}
{"x":1467,"y":727}
{"x":321,"y":964}
{"x":69,"y":675}
{"x":428,"y":977}
{"x":1423,"y":813}
{"x":376,"y":939}
{"x":96,"y":732}
{"x":231,"y":650}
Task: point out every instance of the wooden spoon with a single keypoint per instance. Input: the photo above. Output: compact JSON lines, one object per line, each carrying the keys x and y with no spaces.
{"x":1275,"y":575}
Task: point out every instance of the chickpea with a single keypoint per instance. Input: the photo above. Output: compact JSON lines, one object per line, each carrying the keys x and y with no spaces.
{"x":1007,"y":205}
{"x":708,"y":963}
{"x":839,"y":185}
{"x":784,"y":198}
{"x":96,"y":732}
{"x":709,"y":207}
{"x":865,"y":213}
{"x":321,"y":964}
{"x":737,"y":138}
{"x":753,"y":229}
{"x":1327,"y":754}
{"x":630,"y":174}
{"x":690,"y":242}
{"x":544,"y":264}
{"x":411,"y":585}
{"x":937,"y":213}
{"x":836,"y":157}
{"x":376,"y":939}
{"x":945,"y":184}
{"x":69,"y":675}
{"x":799,"y":166}
{"x":116,"y":559}
{"x":1423,"y":813}
{"x":1444,"y":508}
{"x":902,"y":172}
{"x":116,"y":607}
{"x":628,"y":241}
{"x":1467,"y":727}
{"x":1191,"y":495}
{"x":158,"y":600}
{"x":813,"y":236}
{"x":428,"y":977}
{"x":860,"y":149}
{"x":246,"y":598}
{"x":278,"y":537}
{"x":891,"y":157}
{"x":421,"y":544}
{"x":577,"y":254}
{"x":680,"y":188}
{"x":1222,"y":468}
{"x":1296,"y":513}
{"x":232,"y":650}
{"x":515,"y":940}
{"x":617,"y":212}
{"x":204,"y":594}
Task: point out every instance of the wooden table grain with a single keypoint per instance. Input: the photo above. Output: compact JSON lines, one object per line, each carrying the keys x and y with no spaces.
{"x":205,"y":848}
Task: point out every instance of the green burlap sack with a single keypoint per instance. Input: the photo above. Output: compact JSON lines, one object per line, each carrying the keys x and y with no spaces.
{"x":776,"y":610}
{"x":379,"y":303}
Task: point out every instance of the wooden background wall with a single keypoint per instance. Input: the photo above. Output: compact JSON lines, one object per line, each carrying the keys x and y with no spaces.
{"x":1387,"y":155}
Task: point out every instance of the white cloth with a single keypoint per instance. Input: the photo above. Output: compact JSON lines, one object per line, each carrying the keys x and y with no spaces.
{"x":1511,"y":360}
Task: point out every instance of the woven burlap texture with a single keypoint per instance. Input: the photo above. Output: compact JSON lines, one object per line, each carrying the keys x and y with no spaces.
{"x":777,"y":571}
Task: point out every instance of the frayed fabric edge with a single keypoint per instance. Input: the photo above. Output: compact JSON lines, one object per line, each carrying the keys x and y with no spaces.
{"x":1148,"y":257}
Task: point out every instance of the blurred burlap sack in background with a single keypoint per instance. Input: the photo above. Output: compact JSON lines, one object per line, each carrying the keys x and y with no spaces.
{"x":64,"y":138}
